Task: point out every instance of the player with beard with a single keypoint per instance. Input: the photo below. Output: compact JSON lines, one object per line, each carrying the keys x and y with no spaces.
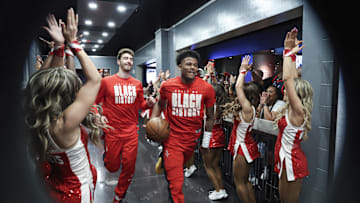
{"x":121,"y":97}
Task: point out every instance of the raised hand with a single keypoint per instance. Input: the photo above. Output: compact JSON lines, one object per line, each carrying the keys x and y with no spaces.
{"x":50,"y":44}
{"x":245,"y":66}
{"x":291,"y":42}
{"x":167,"y":74}
{"x":209,"y":68}
{"x":54,"y":29}
{"x":232,"y":79}
{"x":71,"y":28}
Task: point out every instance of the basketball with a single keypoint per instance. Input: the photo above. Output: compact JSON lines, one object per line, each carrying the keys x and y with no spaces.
{"x":157,"y":129}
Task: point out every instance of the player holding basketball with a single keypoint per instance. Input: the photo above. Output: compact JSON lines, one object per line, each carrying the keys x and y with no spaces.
{"x":185,"y":98}
{"x":121,"y":97}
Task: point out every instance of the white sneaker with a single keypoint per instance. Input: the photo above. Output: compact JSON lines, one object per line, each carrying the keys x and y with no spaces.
{"x":110,"y":181}
{"x":214,"y":195}
{"x":190,"y":171}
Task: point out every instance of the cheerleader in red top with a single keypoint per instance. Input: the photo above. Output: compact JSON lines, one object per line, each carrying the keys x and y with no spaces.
{"x":294,"y":121}
{"x":242,"y":146}
{"x":55,"y":105}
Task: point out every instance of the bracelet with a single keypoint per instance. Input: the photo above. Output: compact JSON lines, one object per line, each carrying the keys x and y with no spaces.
{"x":288,"y":53}
{"x":59,"y":50}
{"x":68,"y":52}
{"x":243,"y":72}
{"x":51,"y":52}
{"x":75,"y":46}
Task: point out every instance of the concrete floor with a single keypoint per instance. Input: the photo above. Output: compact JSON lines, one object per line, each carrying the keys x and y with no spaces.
{"x":147,"y":186}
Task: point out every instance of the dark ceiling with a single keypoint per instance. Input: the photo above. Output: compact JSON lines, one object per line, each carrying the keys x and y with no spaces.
{"x":134,"y":27}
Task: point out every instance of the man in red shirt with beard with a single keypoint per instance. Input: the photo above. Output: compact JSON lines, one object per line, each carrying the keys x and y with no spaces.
{"x":185,"y":98}
{"x":122,"y":96}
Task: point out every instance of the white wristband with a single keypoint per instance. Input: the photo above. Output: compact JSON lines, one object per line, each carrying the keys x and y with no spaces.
{"x":206,"y":139}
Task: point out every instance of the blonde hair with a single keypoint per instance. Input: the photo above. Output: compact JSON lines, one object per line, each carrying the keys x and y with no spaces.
{"x":48,"y":93}
{"x":305,"y":93}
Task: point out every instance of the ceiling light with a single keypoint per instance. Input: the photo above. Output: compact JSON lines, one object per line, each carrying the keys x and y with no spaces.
{"x":104,"y":34}
{"x":86,"y":33}
{"x":93,"y":50}
{"x":121,"y":8}
{"x":100,"y":41}
{"x":88,"y":22}
{"x":111,"y":24}
{"x":84,"y":40}
{"x":93,"y":5}
{"x":96,"y":46}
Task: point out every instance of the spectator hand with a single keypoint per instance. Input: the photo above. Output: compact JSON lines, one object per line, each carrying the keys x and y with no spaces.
{"x":167,"y":74}
{"x":264,"y":98}
{"x":232,"y":79}
{"x":71,"y":28}
{"x":54,"y":29}
{"x":245,"y":63}
{"x":150,"y":101}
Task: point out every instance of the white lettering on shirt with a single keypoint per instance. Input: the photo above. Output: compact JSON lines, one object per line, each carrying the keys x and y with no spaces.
{"x":186,"y":104}
{"x":124,"y":94}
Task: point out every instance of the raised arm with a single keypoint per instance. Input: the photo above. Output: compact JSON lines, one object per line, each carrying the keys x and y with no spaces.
{"x":77,"y":111}
{"x":246,"y":109}
{"x":54,"y":30}
{"x":290,"y":73}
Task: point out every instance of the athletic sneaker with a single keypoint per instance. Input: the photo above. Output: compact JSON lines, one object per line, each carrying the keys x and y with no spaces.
{"x":117,"y":199}
{"x":190,"y":171}
{"x":214,"y":195}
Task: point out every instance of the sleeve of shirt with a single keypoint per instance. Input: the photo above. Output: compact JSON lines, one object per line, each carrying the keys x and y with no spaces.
{"x":140,"y":97}
{"x":101,"y":94}
{"x":210,"y":97}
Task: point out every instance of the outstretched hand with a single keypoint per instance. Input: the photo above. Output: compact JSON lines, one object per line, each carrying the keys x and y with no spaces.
{"x":54,"y":29}
{"x":291,"y":42}
{"x":71,"y":28}
{"x":245,"y":66}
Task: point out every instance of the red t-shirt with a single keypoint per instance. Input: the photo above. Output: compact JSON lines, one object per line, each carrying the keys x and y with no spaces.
{"x":121,"y":98}
{"x":185,"y":106}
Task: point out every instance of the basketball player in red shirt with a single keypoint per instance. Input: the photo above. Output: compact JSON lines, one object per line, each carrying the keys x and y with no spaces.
{"x":121,"y":97}
{"x":185,"y":98}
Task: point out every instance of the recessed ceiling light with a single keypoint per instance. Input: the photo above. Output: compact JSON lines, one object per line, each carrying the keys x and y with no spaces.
{"x":86,"y":33}
{"x":93,"y":50}
{"x":104,"y":34}
{"x":121,"y":8}
{"x":111,"y":24}
{"x":84,"y":40}
{"x":96,"y":46}
{"x":100,"y":41}
{"x":93,"y":5}
{"x":88,"y":22}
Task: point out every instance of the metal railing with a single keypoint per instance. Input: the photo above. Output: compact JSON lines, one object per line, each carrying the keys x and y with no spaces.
{"x":262,"y":175}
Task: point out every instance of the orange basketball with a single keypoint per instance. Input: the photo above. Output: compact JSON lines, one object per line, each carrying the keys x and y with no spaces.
{"x":157,"y":129}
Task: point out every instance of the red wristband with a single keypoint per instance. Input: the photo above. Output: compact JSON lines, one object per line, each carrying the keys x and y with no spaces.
{"x":51,"y":52}
{"x":75,"y":46}
{"x":59,"y":50}
{"x":243,"y":72}
{"x":287,"y":52}
{"x":68,"y":52}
